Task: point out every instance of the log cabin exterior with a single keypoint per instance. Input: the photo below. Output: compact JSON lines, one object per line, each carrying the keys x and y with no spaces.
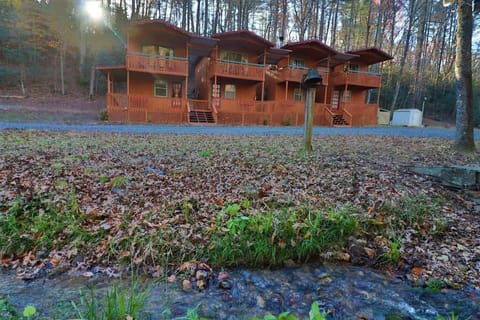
{"x":237,"y":78}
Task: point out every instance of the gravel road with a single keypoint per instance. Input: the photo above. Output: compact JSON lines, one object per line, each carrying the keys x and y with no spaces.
{"x":235,"y":130}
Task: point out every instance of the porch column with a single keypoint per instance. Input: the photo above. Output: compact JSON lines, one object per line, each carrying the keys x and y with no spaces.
{"x":263,"y":80}
{"x":328,"y":81}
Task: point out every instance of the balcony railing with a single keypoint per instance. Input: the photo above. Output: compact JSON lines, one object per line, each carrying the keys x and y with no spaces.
{"x":138,"y":61}
{"x":295,"y":74}
{"x":357,"y":78}
{"x":238,"y":70}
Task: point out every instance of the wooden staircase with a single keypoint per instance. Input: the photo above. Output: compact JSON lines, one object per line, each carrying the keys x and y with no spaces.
{"x":195,"y":116}
{"x":339,"y":121}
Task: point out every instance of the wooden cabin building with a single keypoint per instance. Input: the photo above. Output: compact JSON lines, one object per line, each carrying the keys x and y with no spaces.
{"x":238,"y":78}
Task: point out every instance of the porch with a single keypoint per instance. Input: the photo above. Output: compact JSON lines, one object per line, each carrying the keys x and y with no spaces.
{"x":295,"y":74}
{"x":276,"y":113}
{"x":357,"y":78}
{"x":237,"y":70}
{"x":138,"y":61}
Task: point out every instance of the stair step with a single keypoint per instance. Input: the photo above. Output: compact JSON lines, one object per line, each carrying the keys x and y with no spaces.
{"x":338,"y":120}
{"x":201,"y":117}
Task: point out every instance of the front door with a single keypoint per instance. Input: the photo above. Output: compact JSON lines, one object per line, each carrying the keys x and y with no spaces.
{"x":335,"y":99}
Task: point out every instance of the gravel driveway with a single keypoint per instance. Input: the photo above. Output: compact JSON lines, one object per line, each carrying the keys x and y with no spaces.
{"x":235,"y":130}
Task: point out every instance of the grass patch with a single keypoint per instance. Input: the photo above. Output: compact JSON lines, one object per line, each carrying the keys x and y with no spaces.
{"x":42,"y":222}
{"x":269,"y":238}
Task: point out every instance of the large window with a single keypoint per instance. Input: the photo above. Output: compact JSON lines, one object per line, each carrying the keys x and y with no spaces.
{"x":150,"y":49}
{"x":160,"y":88}
{"x":230,"y":91}
{"x":233,"y":56}
{"x":297,"y":94}
{"x":154,"y":50}
{"x":298,"y":63}
{"x":164,"y":51}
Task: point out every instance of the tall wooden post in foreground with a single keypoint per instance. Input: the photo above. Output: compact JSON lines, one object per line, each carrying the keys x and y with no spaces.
{"x":310,"y":81}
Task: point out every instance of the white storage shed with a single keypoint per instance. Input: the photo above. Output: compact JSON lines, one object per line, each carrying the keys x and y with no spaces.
{"x":407,"y":117}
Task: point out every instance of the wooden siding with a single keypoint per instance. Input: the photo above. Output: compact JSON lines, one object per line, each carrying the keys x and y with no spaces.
{"x":237,"y":70}
{"x":361,"y":79}
{"x":362,"y":114}
{"x":153,"y":64}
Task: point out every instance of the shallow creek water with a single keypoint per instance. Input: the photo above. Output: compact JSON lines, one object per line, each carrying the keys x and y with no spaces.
{"x":346,"y":292}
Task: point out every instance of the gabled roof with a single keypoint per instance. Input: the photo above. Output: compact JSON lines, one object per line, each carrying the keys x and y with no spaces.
{"x":371,"y":55}
{"x":312,"y":48}
{"x":155,"y":23}
{"x":243,"y":38}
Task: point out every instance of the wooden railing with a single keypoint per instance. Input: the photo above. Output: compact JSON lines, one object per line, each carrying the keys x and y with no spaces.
{"x":238,"y":70}
{"x":329,"y":115}
{"x":136,"y":108}
{"x":363,"y":79}
{"x":198,"y":105}
{"x":157,"y":64}
{"x":295,"y":74}
{"x":348,"y":117}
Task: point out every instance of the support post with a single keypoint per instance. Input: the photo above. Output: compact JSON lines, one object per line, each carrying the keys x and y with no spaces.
{"x":309,"y":102}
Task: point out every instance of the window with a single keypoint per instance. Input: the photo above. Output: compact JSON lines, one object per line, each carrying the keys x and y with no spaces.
{"x":149,"y":49}
{"x":160,"y":88}
{"x":164,"y":51}
{"x":354,"y":67}
{"x":297,"y":94}
{"x":298,"y":63}
{"x":233,"y":56}
{"x":230,"y":91}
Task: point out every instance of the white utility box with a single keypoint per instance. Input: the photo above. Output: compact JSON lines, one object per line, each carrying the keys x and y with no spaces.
{"x":407,"y":117}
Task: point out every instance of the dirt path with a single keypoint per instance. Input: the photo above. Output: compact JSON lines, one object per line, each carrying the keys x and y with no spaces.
{"x":56,"y":109}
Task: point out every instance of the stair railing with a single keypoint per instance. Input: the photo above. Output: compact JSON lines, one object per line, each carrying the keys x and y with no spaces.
{"x":330,"y":115}
{"x":188,"y":111}
{"x":215,"y":113}
{"x":348,"y":117}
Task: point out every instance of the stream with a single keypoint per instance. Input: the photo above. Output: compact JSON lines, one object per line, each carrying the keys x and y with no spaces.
{"x":346,"y":292}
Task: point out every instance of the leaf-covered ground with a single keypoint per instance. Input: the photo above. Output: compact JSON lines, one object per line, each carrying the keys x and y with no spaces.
{"x":75,"y":201}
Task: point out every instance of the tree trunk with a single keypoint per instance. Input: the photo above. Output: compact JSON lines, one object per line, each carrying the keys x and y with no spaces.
{"x":464,"y":140}
{"x":404,"y":55}
{"x":92,"y":82}
{"x":62,"y":67}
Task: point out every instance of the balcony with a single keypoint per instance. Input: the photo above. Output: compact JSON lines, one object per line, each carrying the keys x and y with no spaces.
{"x":357,"y":78}
{"x":137,"y":61}
{"x":238,"y":70}
{"x":295,"y":74}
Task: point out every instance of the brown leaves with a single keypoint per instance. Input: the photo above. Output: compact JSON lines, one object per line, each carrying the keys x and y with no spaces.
{"x":147,"y":199}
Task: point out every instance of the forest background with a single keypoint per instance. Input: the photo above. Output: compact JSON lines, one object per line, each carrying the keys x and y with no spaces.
{"x":53,"y":46}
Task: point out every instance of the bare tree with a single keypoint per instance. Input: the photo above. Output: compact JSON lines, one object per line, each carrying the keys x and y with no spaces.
{"x":464,"y":140}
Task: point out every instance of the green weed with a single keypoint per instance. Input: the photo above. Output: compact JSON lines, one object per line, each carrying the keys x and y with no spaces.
{"x":103,"y":179}
{"x":416,"y":212}
{"x":40,"y":222}
{"x":435,"y":285}
{"x":314,"y":314}
{"x":393,"y":255}
{"x":118,"y":303}
{"x":255,"y":239}
{"x":205,"y":153}
{"x":119,"y":182}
